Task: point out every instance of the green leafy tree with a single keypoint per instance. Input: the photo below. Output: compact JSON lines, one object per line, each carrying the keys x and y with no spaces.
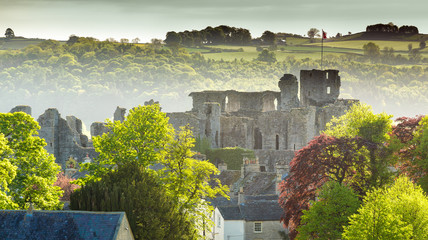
{"x":7,"y":174}
{"x":312,"y":33}
{"x":36,"y":169}
{"x":371,"y":50}
{"x":328,"y":215}
{"x":360,"y":121}
{"x":9,"y":34}
{"x":266,"y":56}
{"x":146,"y":137}
{"x":172,"y":38}
{"x":151,"y":213}
{"x":268,"y":37}
{"x":397,"y":212}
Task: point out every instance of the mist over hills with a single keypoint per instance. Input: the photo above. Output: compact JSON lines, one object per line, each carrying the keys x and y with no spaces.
{"x":88,"y":78}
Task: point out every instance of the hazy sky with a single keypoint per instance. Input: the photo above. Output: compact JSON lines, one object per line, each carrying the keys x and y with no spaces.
{"x":146,"y":19}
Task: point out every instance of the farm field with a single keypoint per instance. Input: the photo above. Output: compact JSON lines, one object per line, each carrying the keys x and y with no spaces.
{"x":18,"y":43}
{"x":311,"y":50}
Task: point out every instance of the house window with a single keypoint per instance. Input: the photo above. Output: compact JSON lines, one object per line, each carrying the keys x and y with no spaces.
{"x":257,"y":227}
{"x":219,"y":222}
{"x":328,"y":90}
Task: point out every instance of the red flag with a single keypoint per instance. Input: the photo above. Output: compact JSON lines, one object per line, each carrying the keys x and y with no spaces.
{"x":324,"y":34}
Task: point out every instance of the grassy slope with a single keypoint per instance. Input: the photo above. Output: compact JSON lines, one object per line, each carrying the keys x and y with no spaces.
{"x":302,"y":48}
{"x":17,"y":43}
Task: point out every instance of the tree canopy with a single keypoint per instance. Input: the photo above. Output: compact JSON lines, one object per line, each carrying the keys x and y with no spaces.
{"x":350,"y":151}
{"x":396,"y":212}
{"x":146,"y":137}
{"x":151,"y":213}
{"x":327,"y":216}
{"x":32,"y":171}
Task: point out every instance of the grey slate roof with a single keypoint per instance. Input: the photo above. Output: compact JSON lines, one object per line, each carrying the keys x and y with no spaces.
{"x":231,"y":212}
{"x":255,"y":208}
{"x":261,"y":211}
{"x":56,"y":225}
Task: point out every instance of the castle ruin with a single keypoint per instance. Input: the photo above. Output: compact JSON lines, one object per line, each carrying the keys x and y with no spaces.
{"x":273,"y":124}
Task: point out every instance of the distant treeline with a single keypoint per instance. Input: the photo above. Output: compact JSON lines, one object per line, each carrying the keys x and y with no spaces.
{"x":391,"y":28}
{"x":217,"y":35}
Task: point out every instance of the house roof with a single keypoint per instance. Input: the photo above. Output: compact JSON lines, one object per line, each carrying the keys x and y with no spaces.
{"x":231,"y":212}
{"x":261,"y":211}
{"x":17,"y":224}
{"x":255,"y":208}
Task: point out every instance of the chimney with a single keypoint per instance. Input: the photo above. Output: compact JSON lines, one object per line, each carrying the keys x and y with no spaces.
{"x":241,"y":195}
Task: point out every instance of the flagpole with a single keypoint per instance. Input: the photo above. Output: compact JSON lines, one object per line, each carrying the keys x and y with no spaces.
{"x":322,"y":48}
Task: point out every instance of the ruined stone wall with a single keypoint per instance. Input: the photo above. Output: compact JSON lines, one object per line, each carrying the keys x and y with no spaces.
{"x":200,"y":98}
{"x":289,"y":91}
{"x":178,"y":119}
{"x":337,"y":109}
{"x":300,"y":127}
{"x":273,"y":127}
{"x":63,"y":137}
{"x":210,"y":123}
{"x":21,"y":108}
{"x":236,"y":131}
{"x":269,"y":158}
{"x":318,"y":88}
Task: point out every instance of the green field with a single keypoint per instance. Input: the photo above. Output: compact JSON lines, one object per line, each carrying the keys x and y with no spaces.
{"x":358,"y":44}
{"x":300,"y":48}
{"x":311,"y":50}
{"x":17,"y":43}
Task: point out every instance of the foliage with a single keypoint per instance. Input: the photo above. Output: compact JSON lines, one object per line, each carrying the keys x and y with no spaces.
{"x":66,"y":186}
{"x":328,"y":215}
{"x":36,"y":169}
{"x":350,"y":151}
{"x":142,"y":137}
{"x":360,"y":121}
{"x":410,"y":144}
{"x":325,"y":158}
{"x":71,"y":163}
{"x":269,"y":37}
{"x":187,"y":180}
{"x":146,"y":137}
{"x":86,"y":71}
{"x":202,"y":145}
{"x":371,"y":50}
{"x":151,"y":213}
{"x":7,"y":174}
{"x":266,"y":56}
{"x":231,"y":156}
{"x":313,"y":32}
{"x":9,"y":33}
{"x":398,"y":212}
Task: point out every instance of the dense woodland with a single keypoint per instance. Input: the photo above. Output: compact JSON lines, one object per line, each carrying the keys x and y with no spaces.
{"x":89,"y":78}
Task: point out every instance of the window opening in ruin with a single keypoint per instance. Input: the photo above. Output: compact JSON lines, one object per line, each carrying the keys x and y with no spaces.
{"x":50,"y":144}
{"x":294,"y":147}
{"x":326,"y":75}
{"x":257,"y":139}
{"x":277,"y":142}
{"x":328,"y":90}
{"x":226,"y":102}
{"x":275,"y":103}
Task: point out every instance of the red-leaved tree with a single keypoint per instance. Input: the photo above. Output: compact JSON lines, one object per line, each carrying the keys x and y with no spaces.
{"x":407,"y":141}
{"x":64,"y":183}
{"x":344,"y":160}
